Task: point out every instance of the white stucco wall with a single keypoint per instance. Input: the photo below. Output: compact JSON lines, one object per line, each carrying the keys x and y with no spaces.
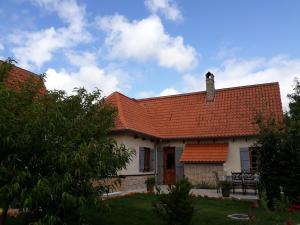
{"x":232,"y":163}
{"x":133,"y":143}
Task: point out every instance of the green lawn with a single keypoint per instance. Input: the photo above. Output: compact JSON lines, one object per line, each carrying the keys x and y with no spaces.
{"x":137,"y":210}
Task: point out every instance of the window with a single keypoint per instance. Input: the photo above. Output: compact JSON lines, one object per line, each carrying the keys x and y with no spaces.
{"x":249,"y":160}
{"x":146,"y":158}
{"x":245,"y":160}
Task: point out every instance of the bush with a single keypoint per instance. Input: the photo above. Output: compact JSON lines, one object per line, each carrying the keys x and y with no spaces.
{"x":226,"y":184}
{"x":225,"y":187}
{"x":204,"y":185}
{"x":176,"y":206}
{"x":150,"y":183}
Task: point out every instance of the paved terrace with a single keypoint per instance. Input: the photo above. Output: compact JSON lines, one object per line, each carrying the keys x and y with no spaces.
{"x":211,"y":193}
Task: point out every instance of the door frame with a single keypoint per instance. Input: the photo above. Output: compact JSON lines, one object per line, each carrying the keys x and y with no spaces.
{"x":165,"y":173}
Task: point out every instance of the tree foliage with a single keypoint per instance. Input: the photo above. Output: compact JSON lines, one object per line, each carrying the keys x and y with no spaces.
{"x":52,"y":147}
{"x":279,"y":153}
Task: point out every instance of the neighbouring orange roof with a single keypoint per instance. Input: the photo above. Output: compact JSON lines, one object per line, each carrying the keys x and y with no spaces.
{"x":231,"y":114}
{"x":204,"y":153}
{"x":18,"y":76}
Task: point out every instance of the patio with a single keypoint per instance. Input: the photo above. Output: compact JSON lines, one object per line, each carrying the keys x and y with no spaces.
{"x":210,"y":193}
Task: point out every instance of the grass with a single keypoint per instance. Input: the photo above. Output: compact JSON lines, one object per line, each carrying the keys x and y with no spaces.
{"x":137,"y":210}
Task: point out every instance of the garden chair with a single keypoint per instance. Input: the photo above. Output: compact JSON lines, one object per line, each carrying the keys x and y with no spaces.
{"x":237,"y":181}
{"x":250,"y":182}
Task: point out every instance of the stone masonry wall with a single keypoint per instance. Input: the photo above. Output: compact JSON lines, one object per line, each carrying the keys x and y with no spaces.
{"x":124,"y":183}
{"x":133,"y":182}
{"x":197,"y":173}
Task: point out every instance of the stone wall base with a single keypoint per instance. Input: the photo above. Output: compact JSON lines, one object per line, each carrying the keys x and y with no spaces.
{"x":124,"y":183}
{"x":202,"y":172}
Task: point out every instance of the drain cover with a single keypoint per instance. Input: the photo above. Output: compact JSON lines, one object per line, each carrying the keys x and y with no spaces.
{"x":238,"y":216}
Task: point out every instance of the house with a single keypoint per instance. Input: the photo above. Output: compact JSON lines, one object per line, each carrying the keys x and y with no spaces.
{"x":194,"y":134}
{"x":15,"y":77}
{"x":187,"y":135}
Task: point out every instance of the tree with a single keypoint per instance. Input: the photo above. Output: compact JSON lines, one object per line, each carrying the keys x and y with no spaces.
{"x":52,"y":148}
{"x":279,"y":153}
{"x":292,"y":139}
{"x":269,"y":147}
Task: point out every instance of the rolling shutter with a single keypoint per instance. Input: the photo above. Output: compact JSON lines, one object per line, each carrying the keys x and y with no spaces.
{"x":245,"y":160}
{"x":141,"y":159}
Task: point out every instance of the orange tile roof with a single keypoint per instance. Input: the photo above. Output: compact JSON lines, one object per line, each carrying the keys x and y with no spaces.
{"x":232,"y":113}
{"x":204,"y":153}
{"x":131,"y":115}
{"x":17,"y":76}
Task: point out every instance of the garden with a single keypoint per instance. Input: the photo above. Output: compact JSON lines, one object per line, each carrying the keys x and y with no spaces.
{"x":54,"y":145}
{"x":137,"y":209}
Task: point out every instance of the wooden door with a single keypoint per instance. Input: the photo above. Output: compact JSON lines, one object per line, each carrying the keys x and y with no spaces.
{"x":169,"y":166}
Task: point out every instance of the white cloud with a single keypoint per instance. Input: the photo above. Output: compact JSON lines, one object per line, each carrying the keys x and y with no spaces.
{"x":192,"y":82}
{"x":68,"y":10}
{"x":165,"y":92}
{"x":38,"y":47}
{"x":169,"y":91}
{"x":227,"y":52}
{"x":146,"y":94}
{"x":90,"y":77}
{"x":167,"y":7}
{"x":86,"y":58}
{"x":145,"y":40}
{"x":1,"y":47}
{"x":239,"y":72}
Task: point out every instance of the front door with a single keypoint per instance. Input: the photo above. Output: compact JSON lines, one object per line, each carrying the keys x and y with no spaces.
{"x":169,"y":166}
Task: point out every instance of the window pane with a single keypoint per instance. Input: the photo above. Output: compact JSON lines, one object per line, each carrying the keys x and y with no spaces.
{"x":245,"y":160}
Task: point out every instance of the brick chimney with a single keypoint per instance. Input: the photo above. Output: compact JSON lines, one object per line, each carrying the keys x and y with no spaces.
{"x":210,"y":87}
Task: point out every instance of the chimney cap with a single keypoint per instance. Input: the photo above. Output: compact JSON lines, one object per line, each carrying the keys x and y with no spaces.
{"x":209,"y":75}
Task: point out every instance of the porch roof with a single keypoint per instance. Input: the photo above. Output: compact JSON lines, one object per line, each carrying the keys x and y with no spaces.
{"x":205,"y":153}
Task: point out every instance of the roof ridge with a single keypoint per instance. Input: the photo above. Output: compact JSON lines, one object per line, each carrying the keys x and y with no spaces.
{"x":200,"y":92}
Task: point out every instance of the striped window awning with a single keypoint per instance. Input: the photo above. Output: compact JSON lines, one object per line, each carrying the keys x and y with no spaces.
{"x":205,"y":153}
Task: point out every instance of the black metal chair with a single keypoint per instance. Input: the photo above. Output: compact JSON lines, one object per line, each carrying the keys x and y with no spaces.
{"x":237,"y":181}
{"x":250,"y":181}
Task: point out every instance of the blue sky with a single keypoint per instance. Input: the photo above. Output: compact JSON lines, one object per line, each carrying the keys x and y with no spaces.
{"x":146,"y":48}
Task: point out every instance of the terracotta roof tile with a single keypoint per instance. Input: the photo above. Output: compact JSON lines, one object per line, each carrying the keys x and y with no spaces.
{"x":232,"y":113}
{"x":204,"y":153}
{"x":17,"y":76}
{"x":131,"y":115}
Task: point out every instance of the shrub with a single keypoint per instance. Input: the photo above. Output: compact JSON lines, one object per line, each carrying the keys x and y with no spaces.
{"x":150,"y":181}
{"x":176,"y":206}
{"x":204,"y":185}
{"x":226,"y":185}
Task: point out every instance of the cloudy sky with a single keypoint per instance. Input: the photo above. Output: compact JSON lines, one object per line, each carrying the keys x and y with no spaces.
{"x":153,"y":47}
